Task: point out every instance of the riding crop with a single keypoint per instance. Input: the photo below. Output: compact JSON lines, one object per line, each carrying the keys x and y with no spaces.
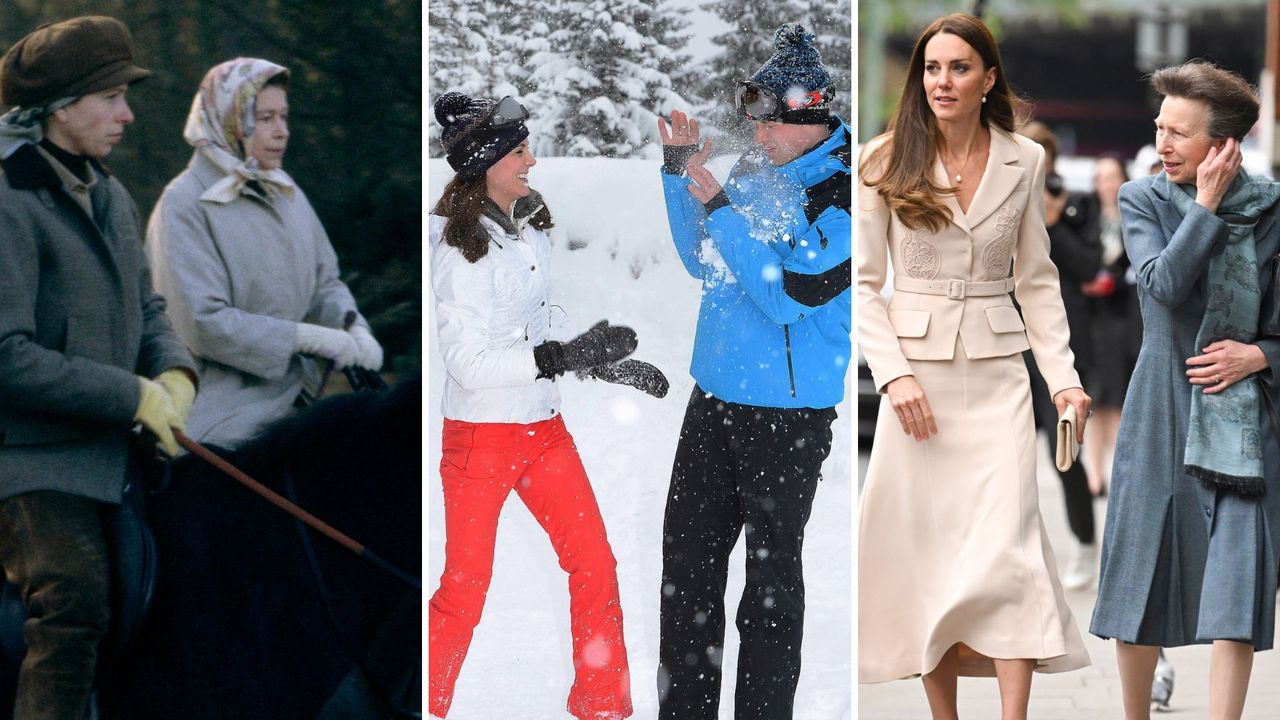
{"x":283,"y":503}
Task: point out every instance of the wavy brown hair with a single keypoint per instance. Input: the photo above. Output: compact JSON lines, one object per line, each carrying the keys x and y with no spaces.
{"x":463,"y":202}
{"x":901,"y":168}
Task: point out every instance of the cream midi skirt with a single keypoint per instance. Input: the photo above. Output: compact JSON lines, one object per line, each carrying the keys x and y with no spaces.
{"x":951,"y":546}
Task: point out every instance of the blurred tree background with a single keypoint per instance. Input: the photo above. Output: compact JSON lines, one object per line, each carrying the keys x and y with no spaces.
{"x":354,"y":117}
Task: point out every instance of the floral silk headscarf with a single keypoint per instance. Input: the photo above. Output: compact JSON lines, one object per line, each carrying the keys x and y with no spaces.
{"x":221,"y":122}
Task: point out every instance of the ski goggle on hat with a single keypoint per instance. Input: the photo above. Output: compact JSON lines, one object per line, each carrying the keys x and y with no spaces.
{"x":758,"y":102}
{"x":506,"y":115}
{"x":507,"y":112}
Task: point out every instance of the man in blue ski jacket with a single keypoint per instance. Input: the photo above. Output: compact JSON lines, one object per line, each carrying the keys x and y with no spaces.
{"x":772,"y":249}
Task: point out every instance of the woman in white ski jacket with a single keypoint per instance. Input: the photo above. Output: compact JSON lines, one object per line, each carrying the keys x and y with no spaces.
{"x":502,"y":351}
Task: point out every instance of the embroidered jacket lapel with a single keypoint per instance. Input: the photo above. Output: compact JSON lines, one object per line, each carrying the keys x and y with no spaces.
{"x":999,"y":180}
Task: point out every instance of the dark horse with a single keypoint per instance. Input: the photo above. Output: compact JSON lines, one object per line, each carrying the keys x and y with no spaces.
{"x":240,"y":626}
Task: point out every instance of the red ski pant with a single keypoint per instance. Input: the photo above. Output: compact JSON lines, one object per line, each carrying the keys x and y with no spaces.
{"x":481,"y":464}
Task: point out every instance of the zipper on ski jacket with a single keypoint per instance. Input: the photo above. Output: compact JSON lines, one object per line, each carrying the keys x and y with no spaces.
{"x":791,"y":371}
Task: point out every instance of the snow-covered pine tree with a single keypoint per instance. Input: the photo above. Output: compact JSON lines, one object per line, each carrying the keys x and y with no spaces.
{"x":601,"y":74}
{"x":831,"y":26}
{"x":461,"y":55}
{"x":482,"y":48}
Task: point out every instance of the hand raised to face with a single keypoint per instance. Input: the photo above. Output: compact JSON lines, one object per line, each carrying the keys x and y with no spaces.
{"x":683,"y":129}
{"x":1215,"y":174}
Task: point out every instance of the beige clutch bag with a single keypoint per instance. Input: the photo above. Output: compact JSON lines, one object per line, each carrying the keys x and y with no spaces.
{"x":1068,"y":449}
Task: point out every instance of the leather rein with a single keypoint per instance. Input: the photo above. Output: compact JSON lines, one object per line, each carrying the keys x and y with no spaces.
{"x":292,"y":509}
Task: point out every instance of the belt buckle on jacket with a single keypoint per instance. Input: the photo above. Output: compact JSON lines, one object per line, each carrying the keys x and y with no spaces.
{"x":955,"y":289}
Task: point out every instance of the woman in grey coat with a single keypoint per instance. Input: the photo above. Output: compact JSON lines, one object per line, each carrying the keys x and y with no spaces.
{"x":1190,"y":550}
{"x":250,"y":276}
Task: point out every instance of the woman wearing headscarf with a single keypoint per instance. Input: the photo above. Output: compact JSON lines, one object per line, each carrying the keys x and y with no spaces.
{"x":251,"y":279}
{"x":1190,"y":554}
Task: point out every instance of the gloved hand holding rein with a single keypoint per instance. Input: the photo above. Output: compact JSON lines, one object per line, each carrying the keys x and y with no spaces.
{"x":369,"y":356}
{"x":156,"y":413}
{"x":336,"y":345}
{"x":601,"y":345}
{"x":182,"y":391}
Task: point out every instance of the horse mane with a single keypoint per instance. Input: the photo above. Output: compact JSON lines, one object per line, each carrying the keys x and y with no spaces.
{"x":235,"y":586}
{"x":339,"y":429}
{"x":355,"y":461}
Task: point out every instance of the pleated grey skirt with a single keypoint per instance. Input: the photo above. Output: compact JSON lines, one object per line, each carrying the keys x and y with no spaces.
{"x":1214,"y":575}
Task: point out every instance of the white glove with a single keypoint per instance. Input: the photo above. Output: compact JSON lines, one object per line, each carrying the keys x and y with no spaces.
{"x":336,"y":345}
{"x":370,"y":355}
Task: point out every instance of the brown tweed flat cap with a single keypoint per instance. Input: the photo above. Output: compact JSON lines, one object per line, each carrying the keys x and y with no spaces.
{"x":68,"y":59}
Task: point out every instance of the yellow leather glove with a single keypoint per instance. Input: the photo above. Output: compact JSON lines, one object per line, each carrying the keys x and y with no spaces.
{"x":181,"y":390}
{"x":158,"y":415}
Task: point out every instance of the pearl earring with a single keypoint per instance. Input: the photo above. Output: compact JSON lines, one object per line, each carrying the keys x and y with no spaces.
{"x":984,"y":98}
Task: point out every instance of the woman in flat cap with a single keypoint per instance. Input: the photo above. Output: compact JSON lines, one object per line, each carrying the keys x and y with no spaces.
{"x":86,"y":351}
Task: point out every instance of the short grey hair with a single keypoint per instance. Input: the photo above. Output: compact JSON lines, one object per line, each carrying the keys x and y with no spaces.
{"x":1232,"y":102}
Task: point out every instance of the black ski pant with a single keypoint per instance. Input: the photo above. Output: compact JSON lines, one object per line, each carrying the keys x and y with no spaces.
{"x":738,"y":468}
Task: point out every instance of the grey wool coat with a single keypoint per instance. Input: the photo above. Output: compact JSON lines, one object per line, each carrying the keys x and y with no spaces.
{"x":1163,"y":581}
{"x":79,"y":322}
{"x":239,"y":277}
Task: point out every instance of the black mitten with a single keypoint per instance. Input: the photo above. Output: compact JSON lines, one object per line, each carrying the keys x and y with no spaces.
{"x":601,"y":345}
{"x":635,"y":373}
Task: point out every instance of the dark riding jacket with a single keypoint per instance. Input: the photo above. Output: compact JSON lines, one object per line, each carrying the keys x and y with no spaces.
{"x":78,"y":322}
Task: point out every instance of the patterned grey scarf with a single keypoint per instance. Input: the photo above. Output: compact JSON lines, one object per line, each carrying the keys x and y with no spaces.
{"x":25,"y":126}
{"x":1224,"y":438}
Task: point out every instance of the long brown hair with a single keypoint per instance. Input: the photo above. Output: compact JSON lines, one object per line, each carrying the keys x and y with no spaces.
{"x":905,"y":159}
{"x":463,"y":202}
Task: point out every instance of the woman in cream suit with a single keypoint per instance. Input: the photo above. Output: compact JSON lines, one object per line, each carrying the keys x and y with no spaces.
{"x":956,"y":574}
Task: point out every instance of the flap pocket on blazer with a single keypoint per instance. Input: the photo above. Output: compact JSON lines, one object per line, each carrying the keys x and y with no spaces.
{"x":1004,"y":319}
{"x":909,"y":323}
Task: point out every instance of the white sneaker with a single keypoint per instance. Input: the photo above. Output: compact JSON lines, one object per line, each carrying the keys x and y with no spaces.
{"x":1162,"y":684}
{"x":1080,"y":570}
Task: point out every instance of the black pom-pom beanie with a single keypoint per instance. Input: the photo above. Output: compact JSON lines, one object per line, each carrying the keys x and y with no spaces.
{"x":471,"y":143}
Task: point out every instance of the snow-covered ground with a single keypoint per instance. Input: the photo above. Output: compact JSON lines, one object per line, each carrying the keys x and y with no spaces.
{"x":628,"y":272}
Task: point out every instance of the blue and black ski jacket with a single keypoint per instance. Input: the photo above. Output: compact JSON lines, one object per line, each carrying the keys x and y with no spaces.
{"x":773,"y":329}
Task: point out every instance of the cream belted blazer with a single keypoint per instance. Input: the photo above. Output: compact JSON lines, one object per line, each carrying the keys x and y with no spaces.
{"x":955,"y":282}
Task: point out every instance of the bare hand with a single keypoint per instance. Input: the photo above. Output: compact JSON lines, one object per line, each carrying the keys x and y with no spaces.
{"x":1215,"y":174}
{"x":1082,"y":402}
{"x":1225,"y":363}
{"x":682,"y":131}
{"x":704,"y":185}
{"x":908,"y":401}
